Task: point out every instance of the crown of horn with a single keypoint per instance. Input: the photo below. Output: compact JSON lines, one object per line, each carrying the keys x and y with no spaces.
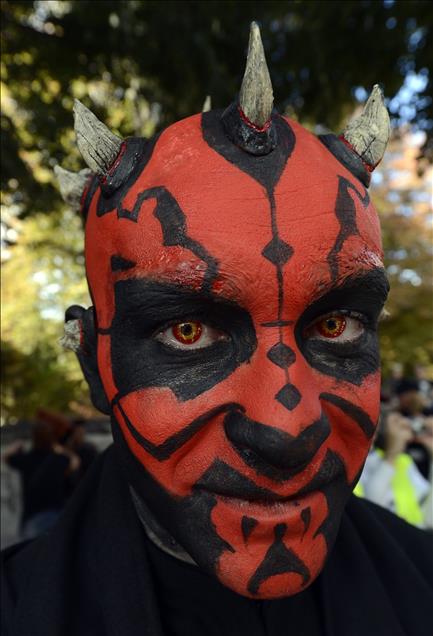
{"x":98,"y":146}
{"x":256,"y":98}
{"x":71,"y":339}
{"x":248,"y":122}
{"x":72,"y":185}
{"x":369,"y":133}
{"x":207,"y":104}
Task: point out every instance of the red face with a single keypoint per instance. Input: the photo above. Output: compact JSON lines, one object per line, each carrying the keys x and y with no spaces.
{"x":237,"y":299}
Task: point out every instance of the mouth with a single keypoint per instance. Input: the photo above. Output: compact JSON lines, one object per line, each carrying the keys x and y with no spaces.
{"x":228,"y":485}
{"x":258,"y":507}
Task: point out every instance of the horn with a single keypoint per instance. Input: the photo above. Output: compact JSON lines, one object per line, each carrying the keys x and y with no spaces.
{"x":369,"y":133}
{"x":256,"y":97}
{"x":98,"y":146}
{"x":72,"y":185}
{"x":207,"y":104}
{"x":71,"y":339}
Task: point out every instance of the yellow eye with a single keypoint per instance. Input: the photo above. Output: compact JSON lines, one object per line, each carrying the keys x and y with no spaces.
{"x":190,"y":335}
{"x":337,"y":327}
{"x":187,"y":332}
{"x":331,"y":326}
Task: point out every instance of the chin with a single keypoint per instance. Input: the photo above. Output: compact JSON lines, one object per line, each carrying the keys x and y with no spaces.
{"x":274,"y":550}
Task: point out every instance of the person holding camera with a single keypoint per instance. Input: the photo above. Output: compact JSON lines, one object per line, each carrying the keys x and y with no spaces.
{"x":391,"y":477}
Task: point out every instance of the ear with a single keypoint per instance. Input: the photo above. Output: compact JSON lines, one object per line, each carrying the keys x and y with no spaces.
{"x":86,"y":354}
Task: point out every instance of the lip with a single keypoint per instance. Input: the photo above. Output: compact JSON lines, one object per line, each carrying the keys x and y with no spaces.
{"x":257,"y":495}
{"x":284,"y":509}
{"x":274,"y":505}
{"x":227,"y":484}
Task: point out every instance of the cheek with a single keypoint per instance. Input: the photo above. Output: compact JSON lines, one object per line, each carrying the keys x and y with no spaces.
{"x":176,"y":441}
{"x":350,"y":442}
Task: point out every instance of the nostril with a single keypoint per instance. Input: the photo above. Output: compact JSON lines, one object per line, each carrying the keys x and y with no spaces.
{"x":270,"y":451}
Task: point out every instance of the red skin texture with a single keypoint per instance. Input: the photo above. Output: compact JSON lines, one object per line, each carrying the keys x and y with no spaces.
{"x":228,"y":212}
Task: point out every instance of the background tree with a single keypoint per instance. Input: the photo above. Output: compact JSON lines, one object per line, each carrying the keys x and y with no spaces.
{"x":142,"y":65}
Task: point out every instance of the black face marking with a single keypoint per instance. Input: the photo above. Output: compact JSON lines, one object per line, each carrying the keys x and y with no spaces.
{"x":281,"y":355}
{"x":349,"y":361}
{"x":277,"y":323}
{"x":347,"y":157}
{"x":345,"y":212}
{"x":266,"y":169}
{"x":94,"y":185}
{"x":87,"y":354}
{"x":355,"y":413}
{"x":289,"y":396}
{"x":247,"y":137}
{"x":247,"y":525}
{"x":331,"y":481}
{"x":173,"y":224}
{"x":270,"y":451}
{"x":223,"y":480}
{"x":306,"y":518}
{"x":130,"y":157}
{"x":278,"y":560}
{"x":136,"y":155}
{"x":144,"y":307}
{"x":120,"y":264}
{"x":177,"y":440}
{"x":171,"y":512}
{"x":277,"y":251}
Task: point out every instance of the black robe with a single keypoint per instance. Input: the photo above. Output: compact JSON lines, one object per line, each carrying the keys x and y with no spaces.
{"x":97,"y":574}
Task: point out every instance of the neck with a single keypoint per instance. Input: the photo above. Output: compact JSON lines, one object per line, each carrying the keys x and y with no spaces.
{"x":156,"y":533}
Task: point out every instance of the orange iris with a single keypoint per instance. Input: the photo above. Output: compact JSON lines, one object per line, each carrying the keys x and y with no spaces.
{"x":331,"y":327}
{"x":187,"y":332}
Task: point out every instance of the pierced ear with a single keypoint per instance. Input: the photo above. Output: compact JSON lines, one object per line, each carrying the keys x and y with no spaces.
{"x":80,"y":337}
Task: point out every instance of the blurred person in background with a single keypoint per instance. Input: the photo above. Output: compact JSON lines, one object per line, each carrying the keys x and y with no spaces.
{"x":391,"y":478}
{"x":75,"y":441}
{"x":425,"y":385}
{"x":425,"y":438}
{"x":410,"y":401}
{"x":389,"y":384}
{"x":44,"y":470}
{"x":414,"y":404}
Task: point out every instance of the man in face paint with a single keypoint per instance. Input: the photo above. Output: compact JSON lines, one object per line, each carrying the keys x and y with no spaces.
{"x":236,"y":272}
{"x":235,"y":268}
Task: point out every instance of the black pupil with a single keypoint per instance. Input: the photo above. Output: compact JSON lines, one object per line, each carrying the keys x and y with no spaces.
{"x":331,"y":324}
{"x":186,"y":330}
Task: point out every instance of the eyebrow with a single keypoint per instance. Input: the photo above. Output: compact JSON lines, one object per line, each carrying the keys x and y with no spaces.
{"x":376,"y":278}
{"x":152,"y":297}
{"x":190,"y":277}
{"x":366,"y":291}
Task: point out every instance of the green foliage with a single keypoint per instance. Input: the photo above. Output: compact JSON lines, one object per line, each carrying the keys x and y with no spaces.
{"x":141,"y":65}
{"x":44,"y":275}
{"x":407,"y":335}
{"x":146,"y":64}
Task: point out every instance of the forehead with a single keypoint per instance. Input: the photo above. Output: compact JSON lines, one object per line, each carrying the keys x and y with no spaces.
{"x":203,"y":211}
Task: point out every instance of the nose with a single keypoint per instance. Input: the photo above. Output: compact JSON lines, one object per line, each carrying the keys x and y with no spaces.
{"x":279,"y":388}
{"x":271,"y":451}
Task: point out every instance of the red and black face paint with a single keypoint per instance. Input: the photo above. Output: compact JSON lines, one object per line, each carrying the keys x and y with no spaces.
{"x":237,"y":283}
